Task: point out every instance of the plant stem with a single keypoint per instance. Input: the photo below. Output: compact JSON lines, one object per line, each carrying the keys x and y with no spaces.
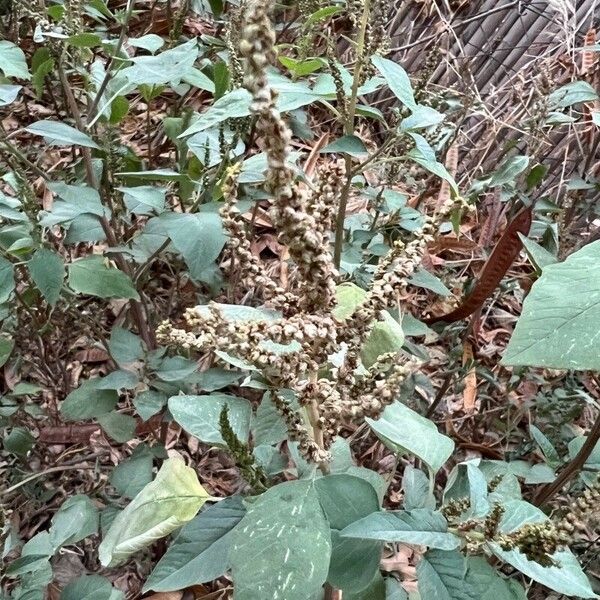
{"x":136,"y":307}
{"x":573,"y":467}
{"x":349,"y":130}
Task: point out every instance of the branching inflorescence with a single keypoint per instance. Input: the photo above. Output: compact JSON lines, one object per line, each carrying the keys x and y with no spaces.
{"x":294,"y":342}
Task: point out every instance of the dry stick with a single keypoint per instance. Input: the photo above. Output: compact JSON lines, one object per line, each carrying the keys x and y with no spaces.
{"x":572,"y":468}
{"x":136,"y":306}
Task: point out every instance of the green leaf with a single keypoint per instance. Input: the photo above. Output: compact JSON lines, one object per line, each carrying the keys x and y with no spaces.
{"x":76,"y":519}
{"x":39,"y":75}
{"x":322,"y":14}
{"x":165,"y":504}
{"x":281,"y":548}
{"x":347,"y":144}
{"x":573,"y":93}
{"x":119,"y":427}
{"x":12,"y":61}
{"x":423,"y":278}
{"x":88,"y":401}
{"x":417,"y":493}
{"x":47,"y":270}
{"x":398,"y":80}
{"x":84,"y":40}
{"x":74,"y":201}
{"x":150,"y":42}
{"x":345,"y":499}
{"x":169,"y":66}
{"x":538,"y":255}
{"x":546,"y":446}
{"x":19,"y":441}
{"x":509,"y":171}
{"x":386,"y":336}
{"x":61,"y":134}
{"x":6,"y":348}
{"x":301,"y":68}
{"x":567,"y":578}
{"x":149,"y":403}
{"x":421,"y":526}
{"x":7,"y":279}
{"x":93,"y":277}
{"x":176,"y":368}
{"x":8,"y":93}
{"x":449,"y":576}
{"x":403,"y":430}
{"x":557,"y":329}
{"x":424,"y":155}
{"x":421,"y":118}
{"x":131,"y":475}
{"x":119,"y":107}
{"x":144,"y":199}
{"x":91,"y":587}
{"x":269,"y":426}
{"x":125,"y":347}
{"x":199,"y":415}
{"x":198,"y":237}
{"x":200,"y":552}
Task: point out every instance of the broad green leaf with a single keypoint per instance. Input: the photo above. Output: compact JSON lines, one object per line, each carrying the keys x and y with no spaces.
{"x":281,"y":548}
{"x":165,"y":504}
{"x":7,"y":279}
{"x":394,"y":590}
{"x":348,"y":144}
{"x":149,"y":403}
{"x":131,"y":475}
{"x":198,"y":237}
{"x":199,"y":415}
{"x":144,"y":199}
{"x":449,"y":576}
{"x":216,"y":378}
{"x":566,"y":578}
{"x":91,"y":587}
{"x":403,"y":430}
{"x":88,"y":401}
{"x":233,"y":105}
{"x":76,"y":519}
{"x":345,"y":499}
{"x":169,"y":66}
{"x":118,"y":426}
{"x":423,"y":278}
{"x":268,"y":427}
{"x":150,"y":42}
{"x":467,"y":480}
{"x":92,"y":276}
{"x":6,"y":347}
{"x":573,"y":93}
{"x":386,"y":336}
{"x":74,"y":201}
{"x":322,"y":14}
{"x":18,"y":441}
{"x":125,"y":347}
{"x":84,"y":40}
{"x":538,"y":255}
{"x":421,"y":118}
{"x":421,"y":526}
{"x":556,"y":329}
{"x":546,"y":447}
{"x":8,"y":93}
{"x":509,"y":170}
{"x":301,"y":68}
{"x":176,"y":368}
{"x":200,"y":552}
{"x":424,"y":155}
{"x":12,"y":61}
{"x":417,"y":493}
{"x":398,"y":80}
{"x":61,"y":134}
{"x":47,"y":269}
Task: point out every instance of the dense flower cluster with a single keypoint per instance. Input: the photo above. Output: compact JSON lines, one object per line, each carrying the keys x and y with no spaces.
{"x":293,"y":340}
